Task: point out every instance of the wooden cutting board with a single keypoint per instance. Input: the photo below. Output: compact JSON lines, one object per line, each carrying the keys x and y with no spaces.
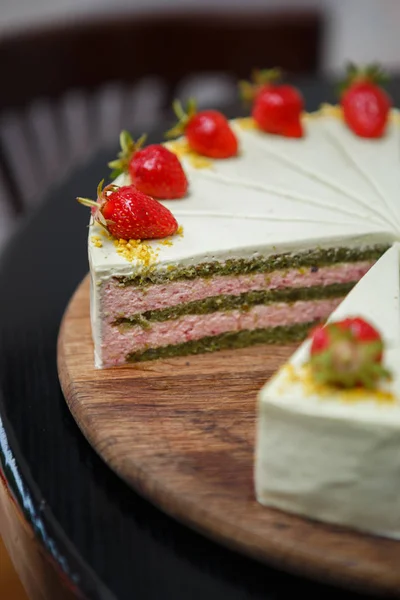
{"x":181,"y":432}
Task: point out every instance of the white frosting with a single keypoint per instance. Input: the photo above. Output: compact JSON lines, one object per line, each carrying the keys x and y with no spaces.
{"x":326,"y":456}
{"x":279,"y":194}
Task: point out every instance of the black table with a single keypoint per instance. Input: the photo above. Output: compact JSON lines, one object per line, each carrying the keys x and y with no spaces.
{"x":107,"y":540}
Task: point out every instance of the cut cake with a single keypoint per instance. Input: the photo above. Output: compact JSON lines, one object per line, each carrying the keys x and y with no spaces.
{"x":270,"y":241}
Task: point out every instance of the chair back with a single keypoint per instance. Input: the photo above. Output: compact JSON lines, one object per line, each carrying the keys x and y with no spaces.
{"x":73,"y":86}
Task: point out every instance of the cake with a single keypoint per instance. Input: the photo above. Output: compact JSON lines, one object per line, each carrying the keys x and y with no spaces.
{"x":270,"y":241}
{"x":256,"y":231}
{"x":280,"y":214}
{"x":331,"y":453}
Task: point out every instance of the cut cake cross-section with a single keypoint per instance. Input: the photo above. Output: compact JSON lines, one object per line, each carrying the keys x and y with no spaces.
{"x":271,"y":241}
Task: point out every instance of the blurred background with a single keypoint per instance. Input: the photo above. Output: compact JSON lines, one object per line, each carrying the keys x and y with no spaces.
{"x":76,"y":71}
{"x":362,"y":29}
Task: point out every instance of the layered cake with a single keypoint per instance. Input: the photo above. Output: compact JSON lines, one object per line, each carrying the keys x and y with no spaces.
{"x":259,"y":230}
{"x":271,"y":233}
{"x":327,"y":442}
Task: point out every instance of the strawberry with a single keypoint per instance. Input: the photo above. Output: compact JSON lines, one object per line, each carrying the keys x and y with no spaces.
{"x":365,"y":103}
{"x":276,"y":107}
{"x":127,"y":213}
{"x":347,"y":353}
{"x":208,"y":132}
{"x":154,"y":170}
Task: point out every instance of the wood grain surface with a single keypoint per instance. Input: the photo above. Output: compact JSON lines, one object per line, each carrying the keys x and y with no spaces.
{"x":10,"y":584}
{"x":181,"y":432}
{"x":40,"y":576}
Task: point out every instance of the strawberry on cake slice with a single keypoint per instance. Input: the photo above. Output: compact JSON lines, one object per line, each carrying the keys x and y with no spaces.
{"x":238,"y":232}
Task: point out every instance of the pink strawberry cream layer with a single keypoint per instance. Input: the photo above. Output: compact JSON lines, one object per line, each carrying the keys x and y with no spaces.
{"x":126,"y":301}
{"x":116,"y":344}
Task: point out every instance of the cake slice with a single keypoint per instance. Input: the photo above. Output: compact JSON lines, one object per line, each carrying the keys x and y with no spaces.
{"x":330,"y":453}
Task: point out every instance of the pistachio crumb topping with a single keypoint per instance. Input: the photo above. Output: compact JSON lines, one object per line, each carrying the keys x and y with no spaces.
{"x":246,"y":123}
{"x":106,"y":234}
{"x":304,"y":377}
{"x":331,"y":110}
{"x":395,"y":116}
{"x":182,"y":149}
{"x":136,"y":250}
{"x":96,"y":241}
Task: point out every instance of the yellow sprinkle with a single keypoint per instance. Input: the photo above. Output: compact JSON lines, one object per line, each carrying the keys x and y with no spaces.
{"x":181,"y":148}
{"x":331,"y":110}
{"x":291,"y":373}
{"x":304,"y":376}
{"x":136,"y":250}
{"x":105,"y":233}
{"x":307,"y":116}
{"x":246,"y":123}
{"x":96,"y":241}
{"x":199,"y":162}
{"x":395,"y":117}
{"x":334,"y":110}
{"x":179,"y":231}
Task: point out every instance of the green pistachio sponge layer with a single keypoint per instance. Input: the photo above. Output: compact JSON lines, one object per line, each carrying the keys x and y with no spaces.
{"x":231,"y":340}
{"x":239,"y":266}
{"x":242,"y":302}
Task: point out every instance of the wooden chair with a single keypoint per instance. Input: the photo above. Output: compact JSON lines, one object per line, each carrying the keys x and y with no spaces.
{"x":70,"y":88}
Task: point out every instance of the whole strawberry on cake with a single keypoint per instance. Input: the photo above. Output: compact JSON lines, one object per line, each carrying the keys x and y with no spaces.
{"x":242,"y":232}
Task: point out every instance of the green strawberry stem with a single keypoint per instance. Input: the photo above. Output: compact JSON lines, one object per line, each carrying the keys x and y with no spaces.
{"x":264,"y":76}
{"x":88,"y":202}
{"x":183,"y":117}
{"x":259,"y":77}
{"x":372,"y":73}
{"x":367,"y":377}
{"x":128,"y":149}
{"x":349,"y":363}
{"x":97,"y":204}
{"x":100,"y":196}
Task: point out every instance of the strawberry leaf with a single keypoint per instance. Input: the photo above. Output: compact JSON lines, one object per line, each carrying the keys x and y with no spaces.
{"x":266,"y":76}
{"x":183,"y":117}
{"x":259,"y":77}
{"x":128,"y":148}
{"x":372,"y":73}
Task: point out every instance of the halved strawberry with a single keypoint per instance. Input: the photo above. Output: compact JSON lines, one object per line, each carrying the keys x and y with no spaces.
{"x":347,"y":353}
